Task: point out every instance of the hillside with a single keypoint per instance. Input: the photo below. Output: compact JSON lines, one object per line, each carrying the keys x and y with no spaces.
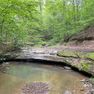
{"x":84,"y":38}
{"x":86,"y":34}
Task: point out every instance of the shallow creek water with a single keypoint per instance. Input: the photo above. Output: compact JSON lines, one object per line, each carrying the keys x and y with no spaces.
{"x":14,"y":76}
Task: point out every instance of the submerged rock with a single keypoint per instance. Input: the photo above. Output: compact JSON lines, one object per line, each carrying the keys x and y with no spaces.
{"x":67,"y":68}
{"x":67,"y":92}
{"x":36,"y":88}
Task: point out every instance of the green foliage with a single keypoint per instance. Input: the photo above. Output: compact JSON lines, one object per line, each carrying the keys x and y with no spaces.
{"x":90,"y":55}
{"x":43,"y":21}
{"x":15,"y":20}
{"x":65,"y":17}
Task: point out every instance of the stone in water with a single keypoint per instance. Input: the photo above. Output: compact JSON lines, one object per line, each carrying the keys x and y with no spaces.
{"x":36,"y":88}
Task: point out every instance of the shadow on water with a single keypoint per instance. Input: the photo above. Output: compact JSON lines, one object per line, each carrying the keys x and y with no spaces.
{"x":49,"y":62}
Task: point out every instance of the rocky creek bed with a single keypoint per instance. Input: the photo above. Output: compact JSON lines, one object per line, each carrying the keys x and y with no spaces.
{"x":82,"y":60}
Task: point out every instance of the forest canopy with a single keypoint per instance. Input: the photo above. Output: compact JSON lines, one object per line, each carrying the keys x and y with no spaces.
{"x":43,"y":22}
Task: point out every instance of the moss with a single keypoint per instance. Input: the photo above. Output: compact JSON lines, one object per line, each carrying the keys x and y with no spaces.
{"x":81,"y":63}
{"x":90,"y":55}
{"x":68,"y":53}
{"x":91,"y":80}
{"x":85,"y":66}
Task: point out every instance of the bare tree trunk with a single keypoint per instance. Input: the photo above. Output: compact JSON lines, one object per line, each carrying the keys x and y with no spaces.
{"x":1,"y":30}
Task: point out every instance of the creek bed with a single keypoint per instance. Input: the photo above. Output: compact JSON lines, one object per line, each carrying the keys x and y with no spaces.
{"x":25,"y":78}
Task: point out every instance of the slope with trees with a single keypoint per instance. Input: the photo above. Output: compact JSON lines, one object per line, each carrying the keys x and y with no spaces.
{"x":41,"y":22}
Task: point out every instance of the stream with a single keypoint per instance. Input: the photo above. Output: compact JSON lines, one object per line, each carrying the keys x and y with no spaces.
{"x":30,"y":78}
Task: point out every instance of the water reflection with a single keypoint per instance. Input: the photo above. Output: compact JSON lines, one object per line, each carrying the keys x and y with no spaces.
{"x":15,"y":76}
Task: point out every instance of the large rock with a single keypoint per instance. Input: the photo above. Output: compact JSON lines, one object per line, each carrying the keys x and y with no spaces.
{"x":76,"y":54}
{"x":82,"y":60}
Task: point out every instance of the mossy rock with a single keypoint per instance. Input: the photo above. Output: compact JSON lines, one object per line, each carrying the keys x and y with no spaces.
{"x":85,"y":66}
{"x":90,"y":55}
{"x":80,"y":60}
{"x":76,"y":54}
{"x":68,"y":53}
